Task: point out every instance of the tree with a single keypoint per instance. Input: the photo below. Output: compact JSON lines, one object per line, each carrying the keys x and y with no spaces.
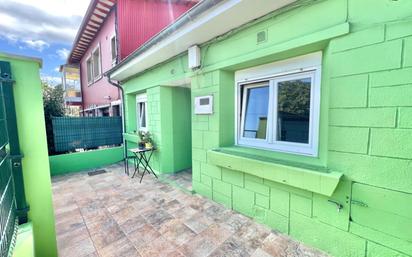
{"x":53,"y":104}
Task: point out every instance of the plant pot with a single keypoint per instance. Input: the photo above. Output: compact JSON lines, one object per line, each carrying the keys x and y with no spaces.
{"x":148,"y":145}
{"x":141,"y":145}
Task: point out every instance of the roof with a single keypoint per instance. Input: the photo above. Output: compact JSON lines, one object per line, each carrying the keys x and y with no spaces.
{"x":207,"y":20}
{"x":94,"y":18}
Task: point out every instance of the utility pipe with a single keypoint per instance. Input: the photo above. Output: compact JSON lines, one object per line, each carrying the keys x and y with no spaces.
{"x":116,"y":84}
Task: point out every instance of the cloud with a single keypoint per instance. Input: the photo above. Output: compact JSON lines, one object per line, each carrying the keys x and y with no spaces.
{"x":63,"y":53}
{"x":51,"y":80}
{"x":31,"y":21}
{"x":38,"y":45}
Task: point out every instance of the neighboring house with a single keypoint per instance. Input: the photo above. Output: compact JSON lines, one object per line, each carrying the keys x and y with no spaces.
{"x":72,"y":90}
{"x":109,"y":32}
{"x":296,"y":113}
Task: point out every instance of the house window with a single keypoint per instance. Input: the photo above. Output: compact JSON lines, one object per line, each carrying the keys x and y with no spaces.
{"x":89,"y":67}
{"x":97,"y":63}
{"x":280,"y":112}
{"x":113,"y":50}
{"x":141,"y":111}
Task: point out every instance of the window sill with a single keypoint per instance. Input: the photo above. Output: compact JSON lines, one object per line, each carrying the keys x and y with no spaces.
{"x":312,"y":178}
{"x":94,"y":81}
{"x":97,"y":78}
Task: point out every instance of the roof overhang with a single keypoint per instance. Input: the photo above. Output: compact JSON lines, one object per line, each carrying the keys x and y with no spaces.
{"x":93,"y":20}
{"x":208,"y":24}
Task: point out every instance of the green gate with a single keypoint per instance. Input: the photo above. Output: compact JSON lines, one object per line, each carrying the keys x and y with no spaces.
{"x":13,"y":206}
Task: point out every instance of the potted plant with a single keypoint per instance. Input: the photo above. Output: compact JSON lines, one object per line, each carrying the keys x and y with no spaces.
{"x":148,"y":140}
{"x":141,"y":144}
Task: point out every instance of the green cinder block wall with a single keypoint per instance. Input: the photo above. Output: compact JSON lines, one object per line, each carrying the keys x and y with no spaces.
{"x":33,"y":145}
{"x":365,"y":125}
{"x":169,"y":123}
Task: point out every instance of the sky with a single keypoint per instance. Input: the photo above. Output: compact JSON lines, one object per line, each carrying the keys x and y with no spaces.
{"x":41,"y":28}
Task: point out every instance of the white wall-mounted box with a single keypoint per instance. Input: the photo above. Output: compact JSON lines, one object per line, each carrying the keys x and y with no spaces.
{"x":204,"y":104}
{"x":194,"y":57}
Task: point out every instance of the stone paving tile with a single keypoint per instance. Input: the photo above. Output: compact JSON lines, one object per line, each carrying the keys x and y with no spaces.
{"x":73,"y":237}
{"x":231,"y":248}
{"x":112,"y":215}
{"x":143,"y":235}
{"x":120,"y":248}
{"x":176,"y":231}
{"x":82,"y":248}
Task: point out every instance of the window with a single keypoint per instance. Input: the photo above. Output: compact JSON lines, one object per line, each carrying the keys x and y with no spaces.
{"x":255,"y":113}
{"x":96,"y":63}
{"x":280,"y":112}
{"x":94,"y":66}
{"x":89,"y":66}
{"x":113,"y":50}
{"x":141,"y":111}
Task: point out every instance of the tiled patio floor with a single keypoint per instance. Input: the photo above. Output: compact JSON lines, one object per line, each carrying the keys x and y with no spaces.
{"x":182,"y":179}
{"x":112,"y":215}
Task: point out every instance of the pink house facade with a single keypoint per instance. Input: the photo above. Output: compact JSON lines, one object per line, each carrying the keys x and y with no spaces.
{"x":110,"y":31}
{"x":100,"y":98}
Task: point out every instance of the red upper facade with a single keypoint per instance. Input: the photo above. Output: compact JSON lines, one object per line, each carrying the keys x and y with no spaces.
{"x":131,"y":23}
{"x":136,"y":22}
{"x":139,"y":20}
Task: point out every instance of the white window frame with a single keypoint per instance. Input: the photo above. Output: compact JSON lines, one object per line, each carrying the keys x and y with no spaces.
{"x":294,"y":68}
{"x":114,"y":60}
{"x":97,"y":48}
{"x":141,"y":98}
{"x":247,"y":86}
{"x":89,"y":58}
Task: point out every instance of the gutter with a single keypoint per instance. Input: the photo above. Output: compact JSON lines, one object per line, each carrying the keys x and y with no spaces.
{"x":123,"y":114}
{"x":183,"y":20}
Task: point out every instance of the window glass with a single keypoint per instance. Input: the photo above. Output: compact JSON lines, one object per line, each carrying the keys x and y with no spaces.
{"x":256,"y":104}
{"x":141,"y":111}
{"x":96,"y":63}
{"x":113,"y":48}
{"x":293,"y":110}
{"x":89,"y":65}
{"x":142,"y":115}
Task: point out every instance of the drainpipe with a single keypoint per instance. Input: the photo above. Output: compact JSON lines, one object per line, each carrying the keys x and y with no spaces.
{"x":116,"y":84}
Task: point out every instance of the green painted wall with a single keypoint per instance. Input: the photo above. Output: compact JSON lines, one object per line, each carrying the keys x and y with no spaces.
{"x":74,"y":162}
{"x":182,"y":129}
{"x":169,"y":111}
{"x":24,"y":242}
{"x":33,"y":144}
{"x":365,"y":125}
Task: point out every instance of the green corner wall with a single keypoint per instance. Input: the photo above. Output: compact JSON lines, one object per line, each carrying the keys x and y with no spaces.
{"x":169,"y":113}
{"x":365,"y":126}
{"x":33,"y":144}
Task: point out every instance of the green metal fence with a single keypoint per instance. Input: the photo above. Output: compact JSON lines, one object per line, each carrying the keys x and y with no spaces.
{"x":70,"y":133}
{"x":13,"y":206}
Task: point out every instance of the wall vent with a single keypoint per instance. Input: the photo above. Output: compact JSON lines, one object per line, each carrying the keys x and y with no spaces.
{"x":261,"y":36}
